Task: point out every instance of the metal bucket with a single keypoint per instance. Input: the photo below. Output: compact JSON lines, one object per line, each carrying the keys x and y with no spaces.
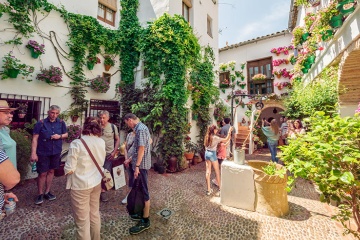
{"x":239,"y":156}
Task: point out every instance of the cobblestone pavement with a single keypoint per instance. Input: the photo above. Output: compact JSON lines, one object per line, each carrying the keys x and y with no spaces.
{"x":195,"y":216}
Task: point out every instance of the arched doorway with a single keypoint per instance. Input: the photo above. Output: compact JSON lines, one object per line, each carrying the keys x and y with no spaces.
{"x":349,"y":79}
{"x":272,"y":109}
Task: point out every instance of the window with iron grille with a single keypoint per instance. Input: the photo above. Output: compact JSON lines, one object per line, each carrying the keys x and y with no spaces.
{"x":113,"y":107}
{"x":263,"y":66}
{"x":37,"y":108}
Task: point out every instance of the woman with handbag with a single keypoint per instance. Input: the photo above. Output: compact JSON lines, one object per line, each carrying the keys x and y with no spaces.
{"x":84,"y":179}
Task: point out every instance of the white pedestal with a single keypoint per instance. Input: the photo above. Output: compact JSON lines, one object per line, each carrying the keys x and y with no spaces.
{"x":237,"y":186}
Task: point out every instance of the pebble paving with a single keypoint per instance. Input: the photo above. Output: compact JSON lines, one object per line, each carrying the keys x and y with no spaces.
{"x":195,"y":215}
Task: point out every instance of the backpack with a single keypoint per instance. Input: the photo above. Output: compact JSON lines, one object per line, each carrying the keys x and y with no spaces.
{"x":135,"y":199}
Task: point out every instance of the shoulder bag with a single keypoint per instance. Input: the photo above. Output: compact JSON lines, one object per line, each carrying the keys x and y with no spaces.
{"x":107,"y":181}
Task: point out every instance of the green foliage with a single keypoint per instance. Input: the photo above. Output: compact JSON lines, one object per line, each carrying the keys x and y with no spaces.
{"x":220,"y":111}
{"x":320,"y":95}
{"x":23,"y":150}
{"x":329,"y":155}
{"x":271,"y":169}
{"x":204,"y":92}
{"x":169,"y":49}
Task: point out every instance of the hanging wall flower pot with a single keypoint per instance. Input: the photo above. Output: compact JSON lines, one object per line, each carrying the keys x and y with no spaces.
{"x":305,"y":70}
{"x":90,"y":65}
{"x":21,"y":115}
{"x":107,"y":67}
{"x":326,"y":35}
{"x":305,"y":36}
{"x":13,"y":73}
{"x":34,"y":54}
{"x":336,"y":21}
{"x":346,"y":7}
{"x":311,"y":59}
{"x":242,"y":86}
{"x":307,"y":65}
{"x":74,"y":118}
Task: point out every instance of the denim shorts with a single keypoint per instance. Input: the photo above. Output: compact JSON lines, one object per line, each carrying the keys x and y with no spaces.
{"x":210,"y":155}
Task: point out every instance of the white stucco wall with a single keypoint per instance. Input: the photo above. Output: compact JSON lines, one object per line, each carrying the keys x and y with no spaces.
{"x":53,"y":22}
{"x":253,"y":51}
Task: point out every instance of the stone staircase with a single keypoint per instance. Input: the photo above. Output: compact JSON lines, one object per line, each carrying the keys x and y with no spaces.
{"x":240,"y":137}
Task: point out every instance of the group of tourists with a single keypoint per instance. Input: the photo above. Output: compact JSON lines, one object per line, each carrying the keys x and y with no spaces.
{"x":280,"y":134}
{"x":99,"y":139}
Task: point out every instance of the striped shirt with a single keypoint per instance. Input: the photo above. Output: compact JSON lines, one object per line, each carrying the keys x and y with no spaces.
{"x":142,"y":138}
{"x":3,"y":157}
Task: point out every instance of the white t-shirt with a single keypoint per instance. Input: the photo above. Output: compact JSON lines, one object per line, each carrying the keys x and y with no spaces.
{"x":215,"y":142}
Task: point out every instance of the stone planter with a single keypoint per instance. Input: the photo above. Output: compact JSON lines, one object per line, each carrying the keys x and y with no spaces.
{"x":271,"y":196}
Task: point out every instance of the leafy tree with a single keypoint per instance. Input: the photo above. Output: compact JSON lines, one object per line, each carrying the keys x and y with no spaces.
{"x":329,"y":155}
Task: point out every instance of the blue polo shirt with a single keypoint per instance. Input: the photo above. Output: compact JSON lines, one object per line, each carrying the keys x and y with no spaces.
{"x":46,"y":146}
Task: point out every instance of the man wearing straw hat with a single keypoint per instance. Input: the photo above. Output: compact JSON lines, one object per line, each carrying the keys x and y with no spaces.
{"x":7,"y":144}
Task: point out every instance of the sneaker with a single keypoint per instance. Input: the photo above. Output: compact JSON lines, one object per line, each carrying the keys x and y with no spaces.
{"x":124,"y":201}
{"x":136,"y":217}
{"x":208,"y":193}
{"x":39,"y":199}
{"x":103,"y":197}
{"x":49,"y":196}
{"x":140,"y":227}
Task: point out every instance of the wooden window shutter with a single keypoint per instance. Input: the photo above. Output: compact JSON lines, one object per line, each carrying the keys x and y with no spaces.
{"x":112,"y":4}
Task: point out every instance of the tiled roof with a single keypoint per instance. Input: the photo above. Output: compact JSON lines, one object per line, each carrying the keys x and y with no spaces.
{"x":283,"y":32}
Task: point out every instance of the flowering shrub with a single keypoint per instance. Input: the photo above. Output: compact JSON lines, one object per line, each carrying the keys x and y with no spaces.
{"x":74,"y":132}
{"x":99,"y":84}
{"x":38,"y":48}
{"x":10,"y":62}
{"x":259,"y":76}
{"x":94,"y":60}
{"x":278,"y":62}
{"x":282,"y":72}
{"x":51,"y":75}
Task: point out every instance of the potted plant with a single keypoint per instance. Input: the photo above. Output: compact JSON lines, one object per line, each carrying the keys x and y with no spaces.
{"x":75,"y":113}
{"x":108,"y":62}
{"x":22,"y":109}
{"x":242,"y":85}
{"x":232,"y":65}
{"x":36,"y":49}
{"x":258,"y":77}
{"x":74,"y":132}
{"x":297,"y":36}
{"x":51,"y":75}
{"x":190,"y":147}
{"x":13,"y":67}
{"x":91,"y":61}
{"x":99,"y":84}
{"x":223,"y":66}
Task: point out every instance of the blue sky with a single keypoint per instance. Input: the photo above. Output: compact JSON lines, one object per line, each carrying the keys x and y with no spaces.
{"x":241,"y":20}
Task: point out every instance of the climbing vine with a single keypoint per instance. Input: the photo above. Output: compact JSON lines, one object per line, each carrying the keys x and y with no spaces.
{"x":203,"y":91}
{"x":169,"y":49}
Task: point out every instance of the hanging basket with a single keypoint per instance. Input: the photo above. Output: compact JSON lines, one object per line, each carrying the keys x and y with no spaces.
{"x":13,"y":73}
{"x":34,"y":54}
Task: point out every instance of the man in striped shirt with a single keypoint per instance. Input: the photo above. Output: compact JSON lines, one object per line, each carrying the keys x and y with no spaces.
{"x":141,"y":163}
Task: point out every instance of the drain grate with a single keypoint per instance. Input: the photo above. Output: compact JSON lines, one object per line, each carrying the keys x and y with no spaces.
{"x":165,"y":213}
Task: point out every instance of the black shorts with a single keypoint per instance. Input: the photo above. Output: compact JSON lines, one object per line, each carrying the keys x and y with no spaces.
{"x":144,"y":181}
{"x":46,"y":163}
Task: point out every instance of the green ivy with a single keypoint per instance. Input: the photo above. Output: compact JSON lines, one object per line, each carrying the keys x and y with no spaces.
{"x":204,"y":91}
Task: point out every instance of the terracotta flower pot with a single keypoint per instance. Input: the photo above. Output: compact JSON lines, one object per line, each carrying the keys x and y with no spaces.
{"x":107,"y":67}
{"x":172,"y":164}
{"x":189,"y":155}
{"x":74,"y":118}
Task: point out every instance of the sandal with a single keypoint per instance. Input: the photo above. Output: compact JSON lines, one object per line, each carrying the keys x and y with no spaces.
{"x":209,"y":192}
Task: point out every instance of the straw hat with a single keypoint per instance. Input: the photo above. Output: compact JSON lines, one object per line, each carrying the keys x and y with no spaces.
{"x":5,"y":106}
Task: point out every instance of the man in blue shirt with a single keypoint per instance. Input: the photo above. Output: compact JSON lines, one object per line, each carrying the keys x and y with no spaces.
{"x":46,"y":149}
